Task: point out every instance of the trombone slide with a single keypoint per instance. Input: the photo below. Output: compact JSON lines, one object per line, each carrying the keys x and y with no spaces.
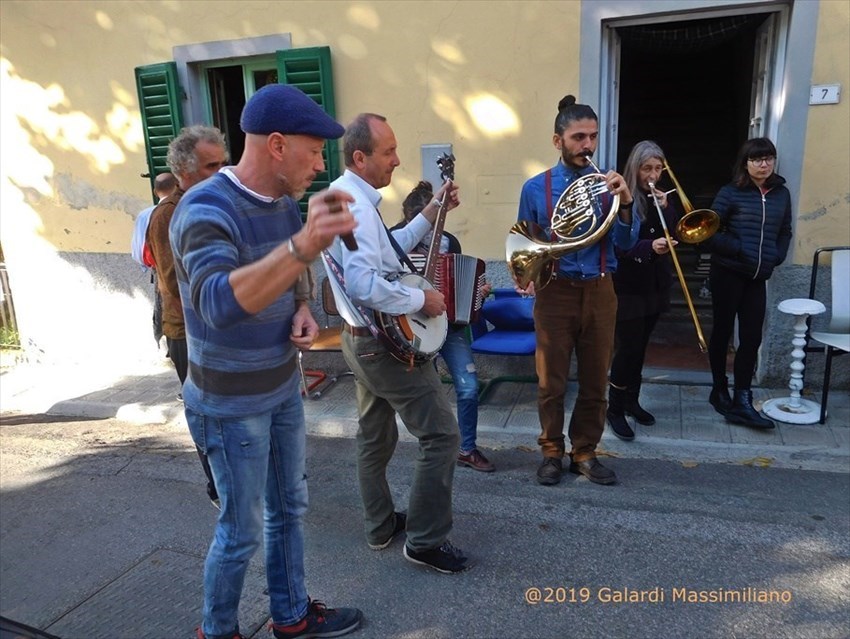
{"x":703,"y":347}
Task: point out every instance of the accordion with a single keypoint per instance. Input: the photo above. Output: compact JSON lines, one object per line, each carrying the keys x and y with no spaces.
{"x":460,"y":278}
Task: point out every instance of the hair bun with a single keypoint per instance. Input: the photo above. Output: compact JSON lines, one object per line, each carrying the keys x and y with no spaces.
{"x":423,"y":187}
{"x":566,"y":101}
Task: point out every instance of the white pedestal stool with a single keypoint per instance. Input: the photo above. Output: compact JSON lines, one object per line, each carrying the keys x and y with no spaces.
{"x":795,"y":409}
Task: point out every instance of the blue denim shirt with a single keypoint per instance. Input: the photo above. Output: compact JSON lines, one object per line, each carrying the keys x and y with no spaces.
{"x":586,"y":263}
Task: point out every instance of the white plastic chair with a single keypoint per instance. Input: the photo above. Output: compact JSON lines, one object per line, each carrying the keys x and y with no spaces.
{"x":835,"y":340}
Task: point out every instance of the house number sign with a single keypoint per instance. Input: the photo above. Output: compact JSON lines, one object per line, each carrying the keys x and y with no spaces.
{"x":825,"y":94}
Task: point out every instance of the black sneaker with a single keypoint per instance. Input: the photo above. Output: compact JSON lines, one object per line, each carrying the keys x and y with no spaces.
{"x":320,"y":621}
{"x":398,"y":527}
{"x":446,"y":559}
{"x":550,"y":471}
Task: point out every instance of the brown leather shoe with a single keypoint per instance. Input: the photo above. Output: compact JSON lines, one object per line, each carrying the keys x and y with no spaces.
{"x":550,"y":471}
{"x":476,"y":461}
{"x":594,"y":471}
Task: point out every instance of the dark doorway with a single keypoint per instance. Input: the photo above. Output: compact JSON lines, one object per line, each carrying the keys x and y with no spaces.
{"x":688,"y":86}
{"x":227,"y":98}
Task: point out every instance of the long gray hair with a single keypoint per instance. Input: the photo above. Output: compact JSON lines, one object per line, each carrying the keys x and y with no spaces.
{"x":643,"y":151}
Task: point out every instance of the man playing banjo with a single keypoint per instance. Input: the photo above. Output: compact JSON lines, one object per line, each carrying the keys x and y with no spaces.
{"x":367,"y":285}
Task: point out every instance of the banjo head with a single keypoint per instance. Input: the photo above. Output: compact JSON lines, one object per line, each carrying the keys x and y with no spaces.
{"x":429,"y":333}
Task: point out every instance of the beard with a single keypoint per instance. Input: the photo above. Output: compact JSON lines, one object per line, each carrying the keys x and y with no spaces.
{"x":287,"y":188}
{"x":576,"y":160}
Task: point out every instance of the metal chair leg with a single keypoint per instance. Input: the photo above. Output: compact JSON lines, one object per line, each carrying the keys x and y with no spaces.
{"x":330,"y":382}
{"x":827,"y":372}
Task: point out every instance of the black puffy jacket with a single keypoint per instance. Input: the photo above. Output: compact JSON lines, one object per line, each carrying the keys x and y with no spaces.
{"x":755,"y":229}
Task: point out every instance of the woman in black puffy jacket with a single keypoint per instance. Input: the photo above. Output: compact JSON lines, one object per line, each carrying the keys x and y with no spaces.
{"x":755,"y":231}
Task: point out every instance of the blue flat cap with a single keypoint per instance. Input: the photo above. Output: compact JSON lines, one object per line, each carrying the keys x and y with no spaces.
{"x":281,"y":108}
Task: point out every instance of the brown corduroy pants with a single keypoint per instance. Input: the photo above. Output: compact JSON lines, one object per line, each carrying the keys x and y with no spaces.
{"x":574,"y":315}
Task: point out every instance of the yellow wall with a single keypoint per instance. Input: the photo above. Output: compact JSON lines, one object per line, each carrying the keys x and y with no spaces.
{"x":485,"y":80}
{"x":461,"y":72}
{"x":483,"y":76}
{"x":824,"y":213}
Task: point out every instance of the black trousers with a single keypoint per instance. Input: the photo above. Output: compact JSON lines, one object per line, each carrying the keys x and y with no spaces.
{"x":178,"y":352}
{"x":631,"y":338}
{"x":734,"y":295}
{"x":157,"y":310}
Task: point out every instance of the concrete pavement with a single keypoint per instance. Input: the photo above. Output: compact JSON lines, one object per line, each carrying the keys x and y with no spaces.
{"x":104,"y":523}
{"x":687,"y":427}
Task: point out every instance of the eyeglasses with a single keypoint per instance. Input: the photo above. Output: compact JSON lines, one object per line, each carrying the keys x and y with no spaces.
{"x":764,"y":160}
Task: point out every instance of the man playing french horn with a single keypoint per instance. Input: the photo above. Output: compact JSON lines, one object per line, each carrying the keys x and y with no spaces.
{"x":576,"y":309}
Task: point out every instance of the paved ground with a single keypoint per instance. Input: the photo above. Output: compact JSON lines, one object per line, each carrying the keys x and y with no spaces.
{"x":105,"y":524}
{"x":687,"y":428}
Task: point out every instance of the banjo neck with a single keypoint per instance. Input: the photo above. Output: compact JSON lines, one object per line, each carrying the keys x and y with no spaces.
{"x":436,"y":239}
{"x":447,"y":172}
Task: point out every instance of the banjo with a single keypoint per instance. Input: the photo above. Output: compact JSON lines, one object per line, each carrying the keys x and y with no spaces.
{"x":415,"y":338}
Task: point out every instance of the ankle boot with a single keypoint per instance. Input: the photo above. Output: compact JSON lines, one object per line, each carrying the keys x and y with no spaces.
{"x":633,"y":408}
{"x":616,"y":416}
{"x":719,"y":397}
{"x":742,"y":412}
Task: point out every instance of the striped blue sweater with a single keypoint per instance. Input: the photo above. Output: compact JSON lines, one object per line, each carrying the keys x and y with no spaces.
{"x":239,"y":364}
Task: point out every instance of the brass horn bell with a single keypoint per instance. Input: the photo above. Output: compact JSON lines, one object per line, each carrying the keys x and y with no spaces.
{"x":694,"y":226}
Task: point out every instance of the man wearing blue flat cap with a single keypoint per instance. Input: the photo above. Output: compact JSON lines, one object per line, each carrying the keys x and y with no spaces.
{"x":239,"y":248}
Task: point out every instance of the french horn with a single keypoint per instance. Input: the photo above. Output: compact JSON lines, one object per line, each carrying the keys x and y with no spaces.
{"x":578,"y":221}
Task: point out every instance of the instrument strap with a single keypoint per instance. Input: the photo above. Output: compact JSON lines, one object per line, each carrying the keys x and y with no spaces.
{"x":336,"y":268}
{"x":603,"y":250}
{"x":402,"y":256}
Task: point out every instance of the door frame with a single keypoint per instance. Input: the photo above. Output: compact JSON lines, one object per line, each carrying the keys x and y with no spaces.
{"x":788,"y":109}
{"x":190,"y":59}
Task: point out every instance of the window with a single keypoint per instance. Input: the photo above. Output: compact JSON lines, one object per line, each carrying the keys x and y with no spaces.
{"x":222,"y":87}
{"x":226,"y":88}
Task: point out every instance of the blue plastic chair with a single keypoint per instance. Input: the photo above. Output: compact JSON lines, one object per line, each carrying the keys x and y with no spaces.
{"x":506,"y":327}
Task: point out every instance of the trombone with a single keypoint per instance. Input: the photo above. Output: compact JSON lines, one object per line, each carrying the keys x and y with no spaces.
{"x":695,"y":226}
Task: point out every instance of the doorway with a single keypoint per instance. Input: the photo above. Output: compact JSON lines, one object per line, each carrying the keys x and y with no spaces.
{"x":691,"y":87}
{"x":228,"y":87}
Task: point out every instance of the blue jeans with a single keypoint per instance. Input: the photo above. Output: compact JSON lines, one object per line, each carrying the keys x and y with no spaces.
{"x":258,"y":462}
{"x":458,"y":357}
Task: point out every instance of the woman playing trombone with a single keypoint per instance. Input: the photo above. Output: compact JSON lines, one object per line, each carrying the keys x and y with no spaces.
{"x":642,"y":282}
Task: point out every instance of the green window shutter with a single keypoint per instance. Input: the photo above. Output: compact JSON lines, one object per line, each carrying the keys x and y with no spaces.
{"x":162,"y":112}
{"x":310,"y":70}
